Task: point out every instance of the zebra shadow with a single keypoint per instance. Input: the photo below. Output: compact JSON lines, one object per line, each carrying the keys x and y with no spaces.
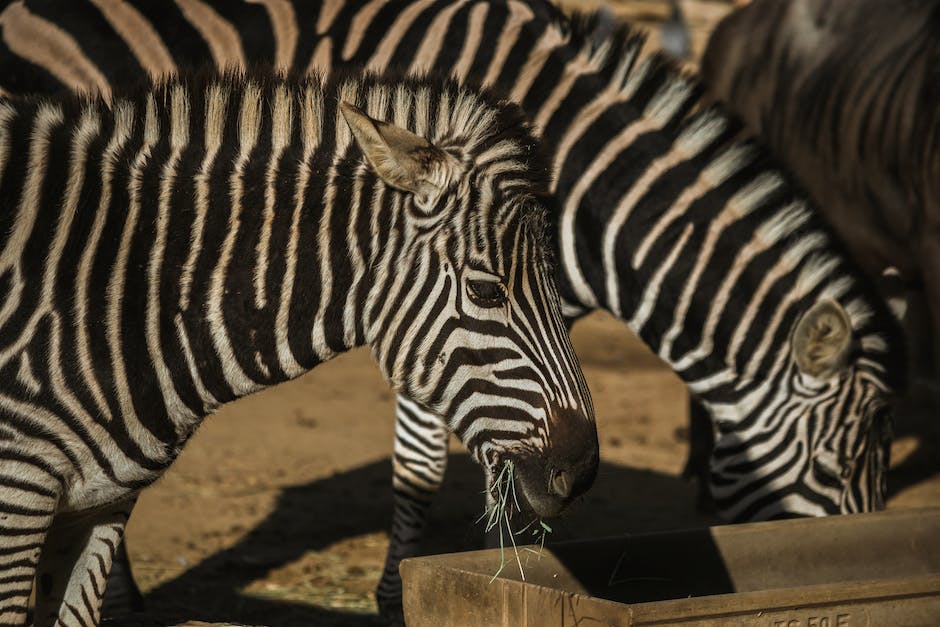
{"x":313,"y":516}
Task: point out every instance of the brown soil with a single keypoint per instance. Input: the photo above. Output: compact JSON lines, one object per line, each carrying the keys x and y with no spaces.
{"x":276,"y":512}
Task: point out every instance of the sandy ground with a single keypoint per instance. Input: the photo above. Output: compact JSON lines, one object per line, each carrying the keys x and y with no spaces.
{"x":276,"y":512}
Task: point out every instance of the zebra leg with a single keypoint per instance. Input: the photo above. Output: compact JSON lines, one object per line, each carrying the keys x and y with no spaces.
{"x":27,"y":510}
{"x":698,"y":464}
{"x":121,"y":596}
{"x":76,"y":559}
{"x":418,"y":468}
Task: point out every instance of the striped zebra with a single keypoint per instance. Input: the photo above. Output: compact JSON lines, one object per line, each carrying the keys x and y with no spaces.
{"x":662,"y":217}
{"x":195,"y":241}
{"x":846,"y":93}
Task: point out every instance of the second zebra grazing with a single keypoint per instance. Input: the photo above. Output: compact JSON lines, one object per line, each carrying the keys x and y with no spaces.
{"x":198,"y":240}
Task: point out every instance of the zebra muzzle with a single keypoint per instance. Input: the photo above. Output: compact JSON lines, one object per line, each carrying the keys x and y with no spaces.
{"x":552,"y":479}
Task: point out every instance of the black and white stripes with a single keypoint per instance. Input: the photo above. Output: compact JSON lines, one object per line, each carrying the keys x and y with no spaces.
{"x":202,"y":239}
{"x":661,"y":216}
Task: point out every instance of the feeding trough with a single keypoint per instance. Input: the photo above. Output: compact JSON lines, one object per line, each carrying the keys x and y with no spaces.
{"x":866,"y":569}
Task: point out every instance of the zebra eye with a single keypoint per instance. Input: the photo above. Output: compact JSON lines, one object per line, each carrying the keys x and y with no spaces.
{"x":486,"y":293}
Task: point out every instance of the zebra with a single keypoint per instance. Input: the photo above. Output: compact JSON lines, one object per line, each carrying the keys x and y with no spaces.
{"x":194,"y":241}
{"x":846,"y":94}
{"x":663,"y":216}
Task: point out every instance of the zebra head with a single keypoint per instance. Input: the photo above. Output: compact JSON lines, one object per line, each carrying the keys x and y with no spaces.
{"x":818,"y":442}
{"x":466,"y":320}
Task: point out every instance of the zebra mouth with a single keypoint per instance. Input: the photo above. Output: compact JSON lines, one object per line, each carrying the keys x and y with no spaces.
{"x":542,"y":483}
{"x":545,"y":490}
{"x":517,"y":488}
{"x":505,"y":501}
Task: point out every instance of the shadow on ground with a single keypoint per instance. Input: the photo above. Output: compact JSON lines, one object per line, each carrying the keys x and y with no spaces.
{"x":313,"y":516}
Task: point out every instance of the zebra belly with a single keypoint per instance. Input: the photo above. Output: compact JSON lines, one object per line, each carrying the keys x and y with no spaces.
{"x":111,"y":474}
{"x":34,"y":458}
{"x":86,"y":461}
{"x":87,"y":496}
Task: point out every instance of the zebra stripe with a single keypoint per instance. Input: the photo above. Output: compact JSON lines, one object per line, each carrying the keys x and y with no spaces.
{"x":45,"y":45}
{"x":663,"y":217}
{"x":162,"y":215}
{"x":144,"y":40}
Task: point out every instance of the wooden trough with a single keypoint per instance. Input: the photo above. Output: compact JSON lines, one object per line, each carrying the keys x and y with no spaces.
{"x":867,"y":569}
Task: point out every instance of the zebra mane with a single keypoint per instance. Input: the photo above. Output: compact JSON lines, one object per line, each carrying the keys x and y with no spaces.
{"x":471,"y":124}
{"x":464,"y":119}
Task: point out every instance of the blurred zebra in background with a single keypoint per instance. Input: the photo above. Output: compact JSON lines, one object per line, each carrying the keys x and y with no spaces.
{"x":690,"y":236}
{"x":190,"y":243}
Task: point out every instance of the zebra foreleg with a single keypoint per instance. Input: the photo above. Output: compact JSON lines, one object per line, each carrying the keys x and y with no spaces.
{"x":26,"y":513}
{"x":418,"y":468}
{"x":76,"y":559}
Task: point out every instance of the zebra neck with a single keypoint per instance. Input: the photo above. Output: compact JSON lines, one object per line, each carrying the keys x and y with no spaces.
{"x":669,"y":220}
{"x":714,"y":269}
{"x":290,"y":231}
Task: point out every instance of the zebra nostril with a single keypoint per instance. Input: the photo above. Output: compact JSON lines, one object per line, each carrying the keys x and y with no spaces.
{"x":560,"y":485}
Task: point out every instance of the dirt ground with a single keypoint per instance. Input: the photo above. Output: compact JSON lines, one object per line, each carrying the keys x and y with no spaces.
{"x":276,"y":512}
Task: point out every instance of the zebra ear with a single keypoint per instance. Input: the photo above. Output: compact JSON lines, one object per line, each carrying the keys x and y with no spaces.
{"x":822,"y":339}
{"x":402,"y":159}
